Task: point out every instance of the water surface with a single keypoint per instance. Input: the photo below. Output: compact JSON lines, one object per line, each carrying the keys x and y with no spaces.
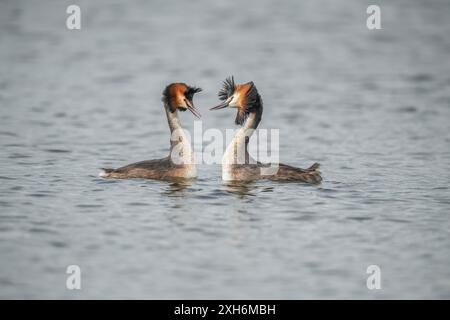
{"x":371,"y":106}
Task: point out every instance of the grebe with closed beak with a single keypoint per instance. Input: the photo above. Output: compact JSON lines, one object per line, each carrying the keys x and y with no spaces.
{"x":181,"y":161}
{"x":246,"y":99}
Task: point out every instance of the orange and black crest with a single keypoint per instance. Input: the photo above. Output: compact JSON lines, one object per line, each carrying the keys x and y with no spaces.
{"x":251,"y":102}
{"x":174,"y":94}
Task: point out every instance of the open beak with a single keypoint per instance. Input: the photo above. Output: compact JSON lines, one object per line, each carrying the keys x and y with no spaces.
{"x":222,"y":105}
{"x":192,"y":109}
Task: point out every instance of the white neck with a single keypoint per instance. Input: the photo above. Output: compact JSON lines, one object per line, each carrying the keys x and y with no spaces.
{"x":180,"y":147}
{"x":236,"y":152}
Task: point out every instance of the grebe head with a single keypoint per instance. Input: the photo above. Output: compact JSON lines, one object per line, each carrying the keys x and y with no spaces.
{"x":180,"y":96}
{"x":244,"y":97}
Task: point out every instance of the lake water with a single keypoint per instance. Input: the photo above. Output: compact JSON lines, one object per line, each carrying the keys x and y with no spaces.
{"x":373,"y":107}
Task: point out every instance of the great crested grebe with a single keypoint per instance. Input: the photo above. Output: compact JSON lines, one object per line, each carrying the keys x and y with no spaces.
{"x":246,"y":99}
{"x":181,"y":161}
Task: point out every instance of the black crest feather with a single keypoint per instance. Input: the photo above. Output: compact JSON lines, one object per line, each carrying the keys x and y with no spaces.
{"x":253,"y":99}
{"x":227,"y":88}
{"x":189,"y":94}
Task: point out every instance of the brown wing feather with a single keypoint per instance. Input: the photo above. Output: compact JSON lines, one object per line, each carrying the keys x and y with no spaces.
{"x":247,"y":172}
{"x":150,"y":169}
{"x":289,"y":173}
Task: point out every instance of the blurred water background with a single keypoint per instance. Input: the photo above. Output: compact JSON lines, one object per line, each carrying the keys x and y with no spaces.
{"x":373,"y":107}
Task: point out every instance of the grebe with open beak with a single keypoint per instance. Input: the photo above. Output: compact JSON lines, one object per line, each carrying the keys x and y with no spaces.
{"x":246,"y":99}
{"x":181,"y":161}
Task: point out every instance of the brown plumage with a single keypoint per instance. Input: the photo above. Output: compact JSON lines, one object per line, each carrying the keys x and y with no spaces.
{"x":159,"y":169}
{"x":246,"y":99}
{"x":181,"y":162}
{"x":249,"y":172}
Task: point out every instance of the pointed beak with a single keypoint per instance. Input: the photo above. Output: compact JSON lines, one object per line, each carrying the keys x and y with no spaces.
{"x":192,"y":109}
{"x":222,"y":105}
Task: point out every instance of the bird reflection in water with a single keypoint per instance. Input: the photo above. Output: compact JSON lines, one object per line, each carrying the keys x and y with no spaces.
{"x":241,"y":189}
{"x":177,"y":187}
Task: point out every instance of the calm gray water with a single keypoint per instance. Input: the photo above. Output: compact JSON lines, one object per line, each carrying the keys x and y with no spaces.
{"x":373,"y":107}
